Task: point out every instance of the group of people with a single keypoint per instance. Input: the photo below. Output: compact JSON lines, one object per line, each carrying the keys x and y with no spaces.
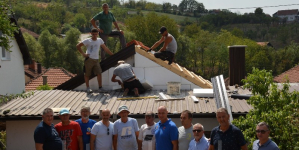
{"x":104,"y":30}
{"x":125,"y":134}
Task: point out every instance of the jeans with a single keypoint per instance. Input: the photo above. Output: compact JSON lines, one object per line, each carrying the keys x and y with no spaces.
{"x":104,"y":37}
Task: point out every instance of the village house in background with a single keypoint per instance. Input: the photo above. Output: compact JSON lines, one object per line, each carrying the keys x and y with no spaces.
{"x":287,"y":16}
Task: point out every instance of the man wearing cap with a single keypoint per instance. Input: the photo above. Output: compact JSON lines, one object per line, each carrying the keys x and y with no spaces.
{"x":45,"y":135}
{"x":169,"y":48}
{"x":263,"y":142}
{"x":101,"y":133}
{"x":86,"y":124}
{"x":185,"y":131}
{"x":166,"y":132}
{"x":125,"y":131}
{"x":69,"y":131}
{"x":106,"y":18}
{"x":146,"y":138}
{"x":132,"y":85}
{"x":91,"y":63}
{"x":199,"y":142}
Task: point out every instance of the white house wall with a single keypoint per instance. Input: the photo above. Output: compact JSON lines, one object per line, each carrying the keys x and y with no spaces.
{"x":144,"y":68}
{"x":12,"y":79}
{"x":20,"y":133}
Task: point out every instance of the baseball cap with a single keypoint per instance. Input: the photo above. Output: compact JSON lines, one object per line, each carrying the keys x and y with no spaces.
{"x":123,"y":107}
{"x":162,"y":29}
{"x":64,"y":111}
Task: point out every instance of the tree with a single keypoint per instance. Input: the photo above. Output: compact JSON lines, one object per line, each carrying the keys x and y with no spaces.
{"x":166,"y":7}
{"x":79,"y":21}
{"x":6,"y":27}
{"x":35,"y":49}
{"x":188,"y":5}
{"x":44,"y":41}
{"x":276,"y":106}
{"x":258,"y":11}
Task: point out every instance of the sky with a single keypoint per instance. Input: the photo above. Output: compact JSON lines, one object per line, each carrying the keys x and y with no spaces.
{"x":225,"y":4}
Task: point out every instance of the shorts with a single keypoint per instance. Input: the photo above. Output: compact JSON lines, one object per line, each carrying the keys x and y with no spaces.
{"x":92,"y":65}
{"x":134,"y":84}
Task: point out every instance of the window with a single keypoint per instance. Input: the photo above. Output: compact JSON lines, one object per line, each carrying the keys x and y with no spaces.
{"x":5,"y":55}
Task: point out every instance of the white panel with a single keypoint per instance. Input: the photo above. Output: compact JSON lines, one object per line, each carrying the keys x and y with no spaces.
{"x":203,"y":92}
{"x":193,"y":86}
{"x":160,"y":76}
{"x":146,"y":84}
{"x":185,"y":86}
{"x":139,"y":72}
{"x":185,"y":81}
{"x":141,"y":61}
{"x":160,"y":87}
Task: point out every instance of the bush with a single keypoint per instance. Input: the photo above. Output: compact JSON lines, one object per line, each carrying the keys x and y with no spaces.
{"x":44,"y":87}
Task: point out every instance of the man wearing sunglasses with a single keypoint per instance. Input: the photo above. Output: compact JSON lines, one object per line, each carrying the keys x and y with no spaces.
{"x":199,"y":142}
{"x":91,"y":63}
{"x":263,"y":142}
{"x":101,"y":133}
{"x":169,"y":47}
{"x":226,"y":136}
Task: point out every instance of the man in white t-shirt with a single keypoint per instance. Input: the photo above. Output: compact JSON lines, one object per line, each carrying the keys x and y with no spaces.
{"x":185,"y":131}
{"x":125,"y":131}
{"x":146,"y":138}
{"x":91,"y":62}
{"x":101,"y":133}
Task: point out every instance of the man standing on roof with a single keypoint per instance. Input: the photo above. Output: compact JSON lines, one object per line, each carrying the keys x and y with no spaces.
{"x":226,"y":136}
{"x":146,"y":139}
{"x":169,"y":47}
{"x":91,"y":62}
{"x":132,"y":85}
{"x":185,"y":131}
{"x":106,"y":18}
{"x":166,"y":132}
{"x":45,"y":135}
{"x":69,"y":131}
{"x":101,"y":133}
{"x":263,"y":142}
{"x":125,"y":131}
{"x":86,"y":124}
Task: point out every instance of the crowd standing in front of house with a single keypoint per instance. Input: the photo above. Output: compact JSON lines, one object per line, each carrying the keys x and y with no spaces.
{"x":124,"y":133}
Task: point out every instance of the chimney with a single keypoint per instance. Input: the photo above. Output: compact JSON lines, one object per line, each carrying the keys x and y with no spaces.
{"x":39,"y":68}
{"x":236,"y":64}
{"x":32,"y":65}
{"x":45,"y":80}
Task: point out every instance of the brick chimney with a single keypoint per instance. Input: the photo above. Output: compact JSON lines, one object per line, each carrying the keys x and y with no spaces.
{"x":32,"y":66}
{"x":236,"y":64}
{"x":39,"y":68}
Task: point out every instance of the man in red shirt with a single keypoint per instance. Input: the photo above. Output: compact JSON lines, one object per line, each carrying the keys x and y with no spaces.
{"x":69,"y":131}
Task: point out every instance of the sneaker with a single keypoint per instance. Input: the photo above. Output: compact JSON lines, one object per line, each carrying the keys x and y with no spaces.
{"x":88,"y":90}
{"x":101,"y":90}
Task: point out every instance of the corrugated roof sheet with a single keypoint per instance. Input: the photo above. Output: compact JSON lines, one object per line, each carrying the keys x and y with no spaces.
{"x":34,"y":105}
{"x":55,"y":77}
{"x":292,"y":74}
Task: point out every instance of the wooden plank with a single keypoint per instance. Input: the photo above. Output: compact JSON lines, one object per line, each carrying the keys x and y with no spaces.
{"x":179,"y":67}
{"x":189,"y":73}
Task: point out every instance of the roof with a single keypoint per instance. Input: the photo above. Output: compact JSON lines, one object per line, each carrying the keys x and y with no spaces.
{"x":287,"y":12}
{"x":33,"y":106}
{"x":105,"y":65}
{"x":264,"y":44}
{"x":55,"y":77}
{"x":292,"y":75}
{"x":24,"y":30}
{"x":22,"y":44}
{"x":33,"y":73}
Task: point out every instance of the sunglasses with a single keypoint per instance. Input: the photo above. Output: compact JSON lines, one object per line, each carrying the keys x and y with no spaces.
{"x":107,"y":131}
{"x":197,"y":131}
{"x":261,"y":131}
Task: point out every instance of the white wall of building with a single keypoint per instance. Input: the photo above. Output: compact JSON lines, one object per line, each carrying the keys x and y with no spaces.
{"x":20,"y":133}
{"x":12,"y":79}
{"x":289,"y":17}
{"x":146,"y":69}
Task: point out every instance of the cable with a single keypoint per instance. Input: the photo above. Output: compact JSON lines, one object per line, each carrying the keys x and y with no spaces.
{"x":264,"y":6}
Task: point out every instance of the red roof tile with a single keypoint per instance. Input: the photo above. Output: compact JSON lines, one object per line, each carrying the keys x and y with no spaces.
{"x":23,"y":30}
{"x":292,"y":75}
{"x":287,"y":12}
{"x":55,"y":77}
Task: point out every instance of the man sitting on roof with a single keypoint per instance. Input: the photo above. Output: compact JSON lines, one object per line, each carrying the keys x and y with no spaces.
{"x":130,"y":83}
{"x":169,"y":48}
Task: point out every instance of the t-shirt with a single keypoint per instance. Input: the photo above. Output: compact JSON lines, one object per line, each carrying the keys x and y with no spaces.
{"x":147,"y":135}
{"x":126,"y":137}
{"x":68,"y":134}
{"x":93,"y":47}
{"x":124,"y":71}
{"x":231,"y":139}
{"x":86,"y":129}
{"x":103,"y":135}
{"x":172,"y":46}
{"x":202,"y":144}
{"x":165,"y":133}
{"x":185,"y":136}
{"x":48,"y":136}
{"x":269,"y":145}
{"x":105,"y":21}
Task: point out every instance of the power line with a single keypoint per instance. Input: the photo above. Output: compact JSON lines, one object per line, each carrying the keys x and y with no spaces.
{"x":264,"y":6}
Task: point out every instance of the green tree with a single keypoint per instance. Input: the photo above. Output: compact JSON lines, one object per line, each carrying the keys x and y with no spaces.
{"x":35,"y":49}
{"x":44,"y":41}
{"x":276,"y":106}
{"x":80,"y":21}
{"x":6,"y":27}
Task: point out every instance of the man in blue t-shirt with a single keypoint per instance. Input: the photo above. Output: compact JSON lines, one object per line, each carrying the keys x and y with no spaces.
{"x":45,"y":135}
{"x":166,"y":132}
{"x":86,"y":125}
{"x":263,"y":142}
